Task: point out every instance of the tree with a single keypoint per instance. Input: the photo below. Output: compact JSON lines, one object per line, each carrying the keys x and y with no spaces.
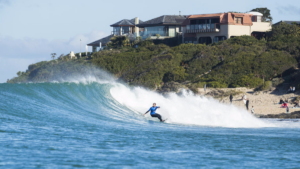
{"x":297,"y":27}
{"x":53,"y":55}
{"x":61,"y":57}
{"x":19,"y":73}
{"x":157,"y":36}
{"x":266,"y":14}
{"x":284,"y":32}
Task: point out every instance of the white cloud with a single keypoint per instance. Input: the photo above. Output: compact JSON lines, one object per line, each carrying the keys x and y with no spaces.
{"x":17,"y":54}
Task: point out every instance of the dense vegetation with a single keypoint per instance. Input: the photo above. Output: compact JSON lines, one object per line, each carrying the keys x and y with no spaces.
{"x":240,"y":61}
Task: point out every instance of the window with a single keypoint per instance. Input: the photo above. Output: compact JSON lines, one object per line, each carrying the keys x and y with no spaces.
{"x":188,"y":27}
{"x":196,"y":26}
{"x":238,"y":20}
{"x":126,"y":29}
{"x":254,"y":18}
{"x":192,"y":27}
{"x":200,"y":26}
{"x":258,"y":19}
{"x":193,"y":22}
{"x":216,"y":39}
{"x":219,"y":38}
{"x":152,"y":31}
{"x":116,"y":30}
{"x":208,"y":26}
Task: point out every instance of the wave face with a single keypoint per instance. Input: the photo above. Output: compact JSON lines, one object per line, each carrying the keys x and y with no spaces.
{"x":92,"y":123}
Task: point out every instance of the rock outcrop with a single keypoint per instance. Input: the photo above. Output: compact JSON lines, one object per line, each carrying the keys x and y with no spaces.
{"x":294,"y":115}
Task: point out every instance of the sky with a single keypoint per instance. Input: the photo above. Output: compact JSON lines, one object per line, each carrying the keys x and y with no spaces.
{"x":33,"y":29}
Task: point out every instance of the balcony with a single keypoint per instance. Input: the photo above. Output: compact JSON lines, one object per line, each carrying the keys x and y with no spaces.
{"x":199,"y":28}
{"x":120,"y":33}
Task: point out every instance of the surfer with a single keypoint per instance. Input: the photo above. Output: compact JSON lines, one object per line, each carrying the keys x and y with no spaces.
{"x":152,"y":112}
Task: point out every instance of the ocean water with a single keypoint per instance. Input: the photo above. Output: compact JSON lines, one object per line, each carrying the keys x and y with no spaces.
{"x":99,"y":124}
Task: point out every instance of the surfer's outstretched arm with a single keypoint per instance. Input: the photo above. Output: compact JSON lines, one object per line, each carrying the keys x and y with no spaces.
{"x":146,"y":112}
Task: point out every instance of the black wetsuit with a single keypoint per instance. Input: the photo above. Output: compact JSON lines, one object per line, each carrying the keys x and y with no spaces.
{"x":157,"y":115}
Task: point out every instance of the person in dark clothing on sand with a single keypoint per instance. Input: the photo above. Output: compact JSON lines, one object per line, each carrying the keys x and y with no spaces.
{"x":281,"y":101}
{"x":247,"y":104}
{"x":296,"y":105}
{"x":230,"y":98}
{"x":290,"y":90}
{"x":152,"y":112}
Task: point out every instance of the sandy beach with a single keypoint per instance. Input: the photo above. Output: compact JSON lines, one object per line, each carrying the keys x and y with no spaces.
{"x":264,"y":102}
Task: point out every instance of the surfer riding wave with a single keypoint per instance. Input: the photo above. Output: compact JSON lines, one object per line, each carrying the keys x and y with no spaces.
{"x":153,"y":113}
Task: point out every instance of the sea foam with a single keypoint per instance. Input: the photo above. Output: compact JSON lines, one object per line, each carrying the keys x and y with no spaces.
{"x":187,"y":108}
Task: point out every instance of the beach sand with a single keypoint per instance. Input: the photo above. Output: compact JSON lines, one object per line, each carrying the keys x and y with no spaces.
{"x":264,"y":102}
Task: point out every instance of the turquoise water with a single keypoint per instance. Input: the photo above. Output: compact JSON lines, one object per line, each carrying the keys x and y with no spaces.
{"x":100,"y":125}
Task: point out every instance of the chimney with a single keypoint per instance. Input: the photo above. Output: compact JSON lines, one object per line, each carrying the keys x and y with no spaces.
{"x":179,"y":13}
{"x":136,"y":21}
{"x":137,"y":29}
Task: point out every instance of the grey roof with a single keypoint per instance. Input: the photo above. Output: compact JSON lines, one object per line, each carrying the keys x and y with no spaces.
{"x":164,"y":20}
{"x":130,"y":22}
{"x":103,"y":41}
{"x":288,"y":22}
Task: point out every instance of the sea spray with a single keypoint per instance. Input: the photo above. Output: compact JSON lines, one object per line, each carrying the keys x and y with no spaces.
{"x":187,"y":109}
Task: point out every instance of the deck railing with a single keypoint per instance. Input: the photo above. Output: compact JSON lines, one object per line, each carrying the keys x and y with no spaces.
{"x":198,"y":28}
{"x":119,"y":33}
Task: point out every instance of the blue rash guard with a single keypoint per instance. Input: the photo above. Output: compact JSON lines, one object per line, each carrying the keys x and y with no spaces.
{"x":153,"y":109}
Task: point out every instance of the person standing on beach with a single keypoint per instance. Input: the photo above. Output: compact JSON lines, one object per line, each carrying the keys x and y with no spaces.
{"x":244,"y":98}
{"x":247,"y":104}
{"x":287,"y":109}
{"x":252,"y":110}
{"x":230,"y":98}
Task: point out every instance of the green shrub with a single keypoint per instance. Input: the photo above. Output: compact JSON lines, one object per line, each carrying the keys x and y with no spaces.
{"x":267,"y":85}
{"x":237,"y":62}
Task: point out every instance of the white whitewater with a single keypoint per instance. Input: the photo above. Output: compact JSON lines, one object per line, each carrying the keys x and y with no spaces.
{"x":187,"y":109}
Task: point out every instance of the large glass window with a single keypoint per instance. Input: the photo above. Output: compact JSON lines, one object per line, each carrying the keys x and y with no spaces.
{"x":208,"y":26}
{"x":125,"y":29}
{"x":172,"y":32}
{"x":200,"y":26}
{"x":116,"y":30}
{"x":152,"y":31}
{"x":192,"y":27}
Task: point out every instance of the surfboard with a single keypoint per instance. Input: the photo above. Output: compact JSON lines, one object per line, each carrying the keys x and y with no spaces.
{"x":164,"y":120}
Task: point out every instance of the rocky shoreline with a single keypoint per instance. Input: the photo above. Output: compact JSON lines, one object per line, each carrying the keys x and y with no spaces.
{"x":294,"y":115}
